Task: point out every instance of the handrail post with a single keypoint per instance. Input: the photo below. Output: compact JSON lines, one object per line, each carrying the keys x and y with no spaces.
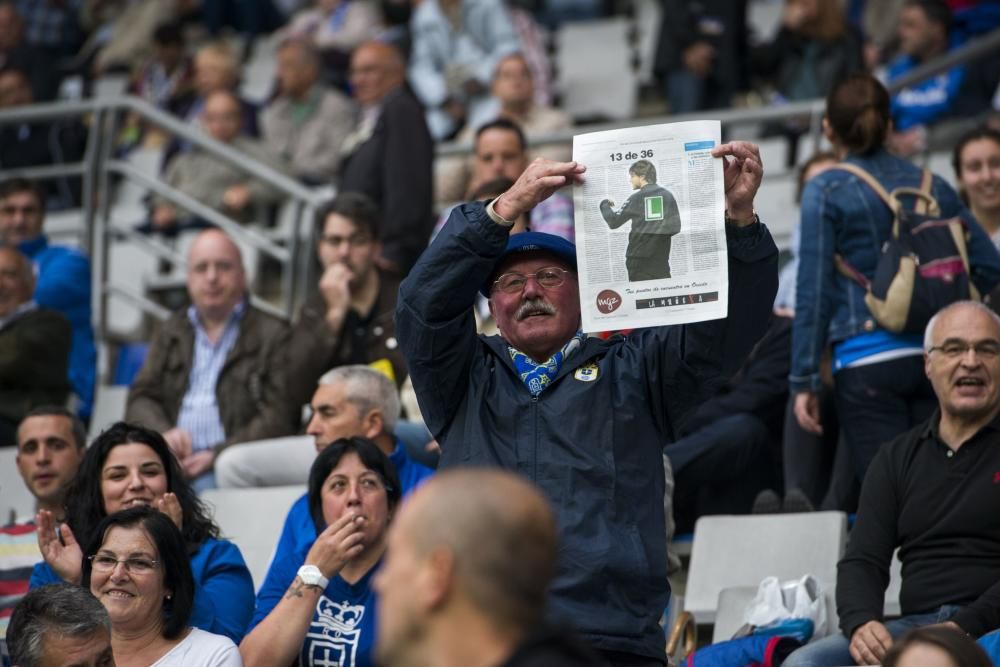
{"x":94,"y":195}
{"x":102,"y":226}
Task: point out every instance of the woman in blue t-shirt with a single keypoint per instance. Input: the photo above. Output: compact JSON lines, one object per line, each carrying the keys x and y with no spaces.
{"x":327,"y":616}
{"x":130,"y":466}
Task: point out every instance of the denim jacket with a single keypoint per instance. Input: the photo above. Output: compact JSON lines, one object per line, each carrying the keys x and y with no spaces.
{"x":841,"y":214}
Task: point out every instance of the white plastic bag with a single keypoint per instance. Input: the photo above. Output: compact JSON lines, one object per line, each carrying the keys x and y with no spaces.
{"x":776,"y":600}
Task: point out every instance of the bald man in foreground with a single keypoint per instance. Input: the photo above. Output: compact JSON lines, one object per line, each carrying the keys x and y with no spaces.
{"x":466,"y":576}
{"x":215,"y":372}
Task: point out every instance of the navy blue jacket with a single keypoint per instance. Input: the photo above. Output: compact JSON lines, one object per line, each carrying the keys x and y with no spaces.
{"x":591,"y":442}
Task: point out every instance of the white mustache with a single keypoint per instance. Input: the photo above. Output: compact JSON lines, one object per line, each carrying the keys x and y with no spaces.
{"x":534,"y":307}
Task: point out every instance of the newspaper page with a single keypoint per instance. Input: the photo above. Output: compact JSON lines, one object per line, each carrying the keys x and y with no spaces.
{"x":650,"y":226}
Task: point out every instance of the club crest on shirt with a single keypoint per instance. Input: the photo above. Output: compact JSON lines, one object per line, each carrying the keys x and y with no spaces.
{"x":586,"y":373}
{"x":334,"y":634}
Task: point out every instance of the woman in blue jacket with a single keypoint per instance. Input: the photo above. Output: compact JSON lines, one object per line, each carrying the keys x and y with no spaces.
{"x":880,"y":386}
{"x":128,"y":466}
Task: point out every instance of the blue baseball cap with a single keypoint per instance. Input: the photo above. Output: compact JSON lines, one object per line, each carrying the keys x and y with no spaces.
{"x":533,"y":242}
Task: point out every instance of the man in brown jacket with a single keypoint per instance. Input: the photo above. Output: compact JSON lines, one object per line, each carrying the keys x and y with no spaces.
{"x":215,"y":373}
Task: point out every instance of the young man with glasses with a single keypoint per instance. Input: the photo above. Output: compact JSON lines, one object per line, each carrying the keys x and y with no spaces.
{"x":348,"y":318}
{"x":933,"y":493}
{"x":585,"y":419}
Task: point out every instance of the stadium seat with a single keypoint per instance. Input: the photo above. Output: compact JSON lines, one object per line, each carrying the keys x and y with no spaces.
{"x":16,"y":502}
{"x":731,"y":551}
{"x":733,"y":602}
{"x":109,"y":407}
{"x":252,"y":519}
{"x":131,"y":356}
{"x":594,"y":70}
{"x":895,"y":581}
{"x":648,"y":15}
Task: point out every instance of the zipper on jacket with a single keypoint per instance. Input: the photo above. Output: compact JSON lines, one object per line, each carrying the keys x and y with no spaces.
{"x":534,"y":454}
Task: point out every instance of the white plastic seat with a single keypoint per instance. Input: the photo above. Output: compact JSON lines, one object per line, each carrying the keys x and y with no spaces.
{"x":109,"y":407}
{"x":252,"y":519}
{"x":16,"y":502}
{"x":594,"y":68}
{"x":739,"y":551}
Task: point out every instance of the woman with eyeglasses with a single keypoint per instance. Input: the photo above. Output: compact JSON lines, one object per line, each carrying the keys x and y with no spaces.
{"x":129,"y":466}
{"x":137,"y":567}
{"x":327,"y":614}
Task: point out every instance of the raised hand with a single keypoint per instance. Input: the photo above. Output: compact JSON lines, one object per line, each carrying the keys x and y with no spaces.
{"x":65,"y":556}
{"x":337,"y":545}
{"x":170,"y":506}
{"x":179,"y":442}
{"x":335,"y":287}
{"x":536,"y":183}
{"x":198,"y":463}
{"x":742,"y":174}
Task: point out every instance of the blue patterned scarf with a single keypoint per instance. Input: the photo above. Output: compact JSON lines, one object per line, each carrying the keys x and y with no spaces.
{"x":537,"y":376}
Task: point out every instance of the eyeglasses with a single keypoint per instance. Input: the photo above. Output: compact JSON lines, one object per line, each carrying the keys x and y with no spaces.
{"x":102,"y":563}
{"x":985,"y":349}
{"x":354,"y":240}
{"x":548,"y":277}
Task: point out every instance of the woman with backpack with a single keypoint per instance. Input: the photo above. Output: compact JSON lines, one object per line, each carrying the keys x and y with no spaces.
{"x":880,"y":386}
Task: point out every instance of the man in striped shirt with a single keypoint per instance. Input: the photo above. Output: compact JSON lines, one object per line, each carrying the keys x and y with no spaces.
{"x":50,"y":445}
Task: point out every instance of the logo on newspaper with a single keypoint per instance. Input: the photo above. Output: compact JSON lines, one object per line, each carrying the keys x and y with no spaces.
{"x":334,"y":634}
{"x":654,"y":208}
{"x":608,"y":301}
{"x":586,"y":373}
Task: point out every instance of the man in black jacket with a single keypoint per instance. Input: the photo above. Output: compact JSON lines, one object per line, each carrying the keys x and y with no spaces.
{"x":933,"y":493}
{"x":390,"y":155}
{"x":655,"y":220}
{"x":728,"y":448}
{"x":583,"y":418}
{"x":701,"y":54}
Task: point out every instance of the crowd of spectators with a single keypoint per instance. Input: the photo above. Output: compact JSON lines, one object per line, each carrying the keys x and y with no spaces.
{"x":786,"y":405}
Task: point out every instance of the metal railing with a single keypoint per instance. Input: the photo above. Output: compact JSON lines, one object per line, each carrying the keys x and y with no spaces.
{"x":99,"y":164}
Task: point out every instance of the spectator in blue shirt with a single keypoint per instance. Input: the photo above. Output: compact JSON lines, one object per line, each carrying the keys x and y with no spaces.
{"x":326,"y":614}
{"x":62,"y":278}
{"x":924,"y":35}
{"x":349,"y":401}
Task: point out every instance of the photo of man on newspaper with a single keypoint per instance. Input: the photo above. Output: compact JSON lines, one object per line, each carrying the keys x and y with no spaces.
{"x":649,"y":217}
{"x":655,"y":219}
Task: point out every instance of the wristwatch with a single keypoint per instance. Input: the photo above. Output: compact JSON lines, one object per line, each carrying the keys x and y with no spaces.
{"x":311,"y":576}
